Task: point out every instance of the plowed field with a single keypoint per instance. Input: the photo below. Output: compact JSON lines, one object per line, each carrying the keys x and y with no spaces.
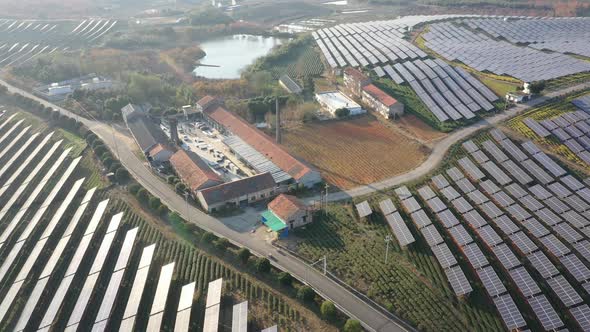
{"x":353,"y":152}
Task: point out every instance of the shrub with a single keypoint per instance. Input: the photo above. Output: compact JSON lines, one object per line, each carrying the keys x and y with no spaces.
{"x":328,"y":311}
{"x":154,"y":203}
{"x":306,"y":294}
{"x":352,"y":325}
{"x":134,"y":188}
{"x":171,"y":179}
{"x":162,"y":210}
{"x":121,"y":175}
{"x":342,"y":112}
{"x":208,"y":237}
{"x":244,"y":254}
{"x":222,"y":244}
{"x":114,"y":167}
{"x":142,"y":195}
{"x":285,"y":279}
{"x":107,"y":162}
{"x":263,"y":265}
{"x":180,"y":187}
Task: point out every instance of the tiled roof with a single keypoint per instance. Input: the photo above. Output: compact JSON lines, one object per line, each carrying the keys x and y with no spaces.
{"x":235,"y":189}
{"x":157,"y":149}
{"x":380,"y":95}
{"x":284,"y":206}
{"x":146,"y":133}
{"x":193,"y":170}
{"x":207,"y":101}
{"x":259,"y":141}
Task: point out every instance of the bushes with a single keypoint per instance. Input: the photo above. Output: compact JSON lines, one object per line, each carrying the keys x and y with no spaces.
{"x":352,"y":325}
{"x":244,"y":254}
{"x":285,"y":279}
{"x":328,"y":311}
{"x":208,"y":237}
{"x":306,"y":294}
{"x":122,"y":175}
{"x":221,"y":244}
{"x":263,"y":265}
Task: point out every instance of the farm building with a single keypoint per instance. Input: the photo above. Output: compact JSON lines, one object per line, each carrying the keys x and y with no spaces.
{"x":160,"y":153}
{"x":146,"y":134}
{"x":381,"y":102}
{"x":517,"y":97}
{"x":288,"y":84}
{"x":59,"y":90}
{"x":238,"y":193}
{"x":193,"y":171}
{"x":355,"y":80}
{"x":273,"y":154}
{"x":334,"y":100}
{"x":291,"y":211}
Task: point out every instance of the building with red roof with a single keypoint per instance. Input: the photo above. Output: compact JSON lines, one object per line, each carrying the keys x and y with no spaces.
{"x":238,"y":193}
{"x":194,"y":171}
{"x":292,"y":211}
{"x":230,"y":123}
{"x":381,"y":102}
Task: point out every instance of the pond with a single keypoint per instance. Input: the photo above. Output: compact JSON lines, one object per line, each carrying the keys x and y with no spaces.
{"x":228,"y":56}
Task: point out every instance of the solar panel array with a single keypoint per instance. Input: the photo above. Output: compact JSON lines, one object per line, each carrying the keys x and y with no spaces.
{"x":572,"y":129}
{"x":63,"y":264}
{"x":582,"y":103}
{"x":477,"y":50}
{"x":563,"y":35}
{"x":440,"y":249}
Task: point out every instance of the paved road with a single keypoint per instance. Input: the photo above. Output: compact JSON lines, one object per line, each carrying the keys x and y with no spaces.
{"x":440,"y":149}
{"x":372,"y":319}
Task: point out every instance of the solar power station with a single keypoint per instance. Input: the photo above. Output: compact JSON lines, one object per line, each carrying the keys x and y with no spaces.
{"x":511,"y":215}
{"x":68,"y":261}
{"x":476,"y":49}
{"x":449,"y":92}
{"x":572,"y":129}
{"x":24,"y":40}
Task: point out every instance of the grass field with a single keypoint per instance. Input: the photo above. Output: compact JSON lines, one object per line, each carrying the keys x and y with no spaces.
{"x":355,"y":151}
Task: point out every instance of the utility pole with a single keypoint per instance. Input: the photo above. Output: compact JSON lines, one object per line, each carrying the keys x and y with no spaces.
{"x":388,"y":239}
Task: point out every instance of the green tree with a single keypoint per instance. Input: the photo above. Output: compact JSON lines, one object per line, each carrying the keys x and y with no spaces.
{"x":537,"y":87}
{"x":171,"y":179}
{"x":180,"y":187}
{"x":285,"y":279}
{"x":342,"y":112}
{"x":134,"y":188}
{"x":208,"y":237}
{"x":244,"y":254}
{"x":142,"y":195}
{"x":221,"y":244}
{"x":163,"y":210}
{"x":263,"y":265}
{"x":306,"y":294}
{"x":352,"y":325}
{"x":121,"y":175}
{"x":154,"y":203}
{"x":328,"y":311}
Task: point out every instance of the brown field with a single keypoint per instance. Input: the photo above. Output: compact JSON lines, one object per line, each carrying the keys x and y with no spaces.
{"x":417,"y":128}
{"x":354,"y":152}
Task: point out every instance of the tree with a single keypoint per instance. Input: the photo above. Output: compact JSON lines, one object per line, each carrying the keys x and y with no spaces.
{"x":328,"y":310}
{"x":263,"y":265}
{"x":244,"y":254}
{"x":306,"y":294}
{"x":162,"y":210}
{"x":115,"y":166}
{"x":285,"y":279}
{"x":154,"y":203}
{"x":134,"y":188}
{"x":121,"y":175}
{"x":221,"y":244}
{"x":142,"y":195}
{"x":537,"y":87}
{"x":352,"y":325}
{"x":180,"y":187}
{"x":107,"y":162}
{"x":342,"y":112}
{"x":171,"y":179}
{"x":208,"y":237}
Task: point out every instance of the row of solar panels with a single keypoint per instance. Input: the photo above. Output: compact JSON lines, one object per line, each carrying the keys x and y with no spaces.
{"x":485,"y":54}
{"x":450,"y":93}
{"x":572,"y":129}
{"x":25,"y":248}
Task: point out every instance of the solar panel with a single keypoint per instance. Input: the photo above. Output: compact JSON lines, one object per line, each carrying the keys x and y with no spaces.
{"x":363,"y":209}
{"x":450,"y":193}
{"x":271,"y":329}
{"x":535,"y":228}
{"x":555,"y":246}
{"x":506,"y":256}
{"x":465,"y":185}
{"x":536,"y":127}
{"x":161,"y":294}
{"x":542,"y":264}
{"x":559,"y":190}
{"x":400,"y":229}
{"x":480,"y":157}
{"x":548,"y":217}
{"x":444,"y":256}
{"x":491,"y":210}
{"x":545,"y":312}
{"x":420,"y":219}
{"x":582,"y":316}
{"x":461,"y":205}
{"x":502,"y":199}
{"x":475,"y":256}
{"x":516,"y":172}
{"x":506,"y":225}
{"x":460,"y":235}
{"x":575,"y":267}
{"x":516,"y":191}
{"x":531,"y":148}
{"x":447,"y":218}
{"x":499,"y":176}
{"x":240,"y":317}
{"x":489,"y":235}
{"x":477,"y":197}
{"x":518,"y":212}
{"x":498,"y":135}
{"x":426,"y":193}
{"x":491,"y":282}
{"x":403,"y":192}
{"x":440,"y":181}
{"x":474,"y":219}
{"x":583,"y":247}
{"x":469,"y":167}
{"x":214,"y":292}
{"x":525,"y":283}
{"x":493,"y":149}
{"x":431,"y":235}
{"x":211,"y":319}
{"x":523,"y":242}
{"x":576,"y":219}
{"x":436,"y":205}
{"x":411,"y":205}
{"x":510,"y":314}
{"x":549,"y":164}
{"x":577,"y":203}
{"x":540,"y":192}
{"x":458,"y":281}
{"x":489,"y":187}
{"x":566,"y":232}
{"x":387,"y":206}
{"x":564,"y":291}
{"x":455,"y":174}
{"x":537,"y":172}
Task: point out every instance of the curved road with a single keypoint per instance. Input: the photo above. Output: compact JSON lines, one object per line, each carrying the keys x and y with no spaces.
{"x":371,"y":318}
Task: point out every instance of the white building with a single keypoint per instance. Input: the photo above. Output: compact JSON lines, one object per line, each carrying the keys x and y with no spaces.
{"x":334,"y":100}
